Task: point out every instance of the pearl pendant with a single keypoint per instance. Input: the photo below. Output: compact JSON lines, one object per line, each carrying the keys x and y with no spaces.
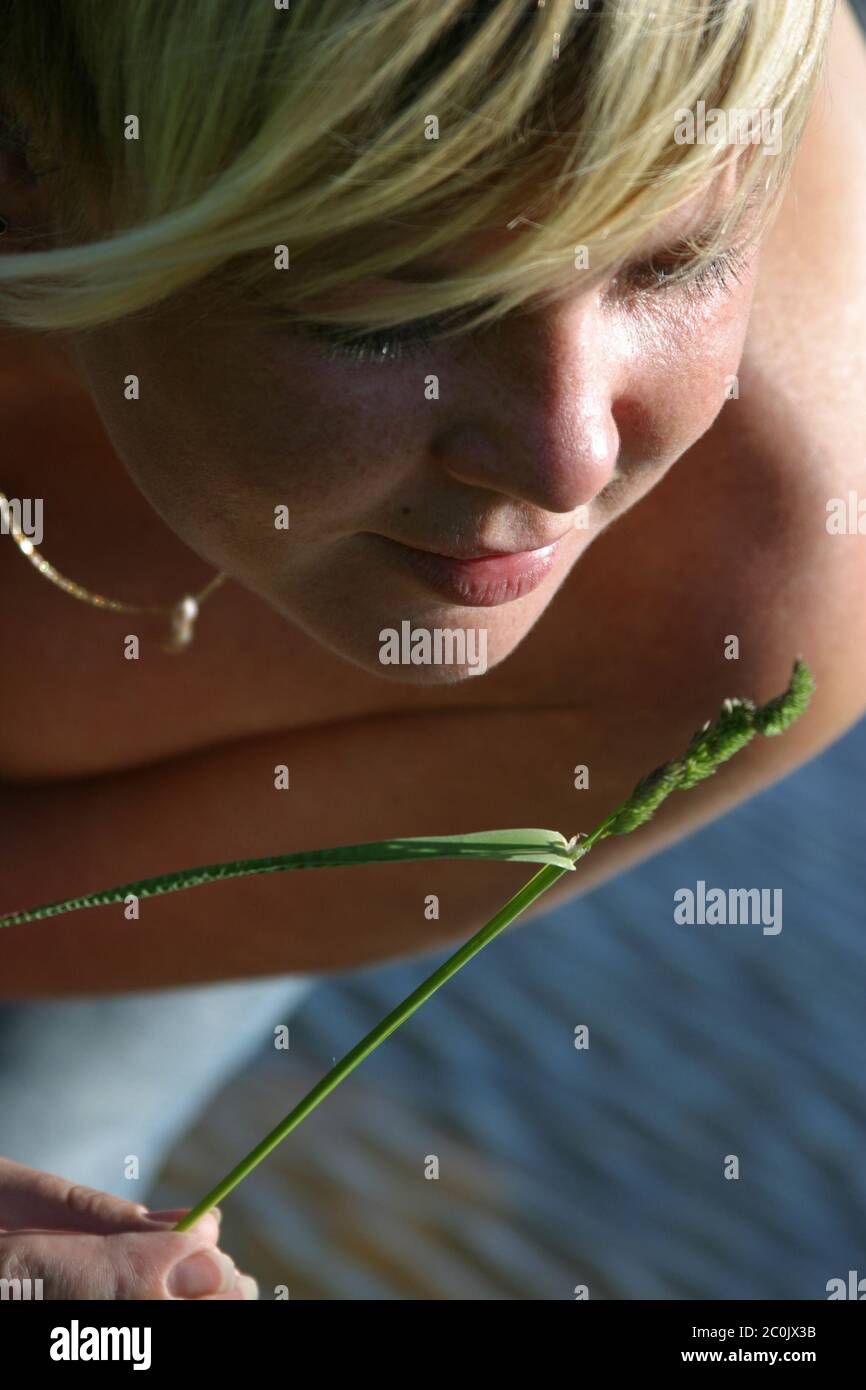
{"x":182,"y":624}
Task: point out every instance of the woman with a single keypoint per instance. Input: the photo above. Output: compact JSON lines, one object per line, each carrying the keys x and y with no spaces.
{"x":631,"y":233}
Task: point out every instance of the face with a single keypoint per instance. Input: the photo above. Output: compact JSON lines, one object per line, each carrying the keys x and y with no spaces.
{"x":460,"y":509}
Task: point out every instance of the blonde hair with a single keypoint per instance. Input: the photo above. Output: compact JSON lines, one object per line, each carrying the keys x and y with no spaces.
{"x":309,"y":127}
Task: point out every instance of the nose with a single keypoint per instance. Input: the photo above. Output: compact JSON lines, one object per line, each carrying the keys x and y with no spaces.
{"x":533,"y":413}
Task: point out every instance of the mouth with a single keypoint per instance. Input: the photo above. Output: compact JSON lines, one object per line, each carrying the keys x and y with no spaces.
{"x":483,"y":579}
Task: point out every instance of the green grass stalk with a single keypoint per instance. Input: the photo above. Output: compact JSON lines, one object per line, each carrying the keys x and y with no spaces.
{"x":736,"y":725}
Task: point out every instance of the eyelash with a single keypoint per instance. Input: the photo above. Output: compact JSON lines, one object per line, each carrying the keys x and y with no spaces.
{"x":393,"y":345}
{"x":715,"y":276}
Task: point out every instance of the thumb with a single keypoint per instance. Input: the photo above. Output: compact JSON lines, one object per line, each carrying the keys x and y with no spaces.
{"x":72,"y":1265}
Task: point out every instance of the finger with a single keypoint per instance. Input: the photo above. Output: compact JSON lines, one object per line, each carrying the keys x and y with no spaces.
{"x":29,"y":1197}
{"x":167,"y":1265}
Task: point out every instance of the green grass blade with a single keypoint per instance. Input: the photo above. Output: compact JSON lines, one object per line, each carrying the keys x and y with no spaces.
{"x":530,"y":846}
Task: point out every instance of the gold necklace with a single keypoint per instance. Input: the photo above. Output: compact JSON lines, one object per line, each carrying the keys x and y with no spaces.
{"x":182,"y":614}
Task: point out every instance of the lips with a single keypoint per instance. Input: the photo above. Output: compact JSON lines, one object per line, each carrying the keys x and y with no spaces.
{"x":482,"y":580}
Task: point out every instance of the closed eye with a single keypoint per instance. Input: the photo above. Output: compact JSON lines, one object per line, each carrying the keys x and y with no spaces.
{"x":660,"y":274}
{"x":677,"y":271}
{"x":388,"y":345}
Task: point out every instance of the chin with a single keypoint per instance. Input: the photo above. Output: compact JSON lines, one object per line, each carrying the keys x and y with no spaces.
{"x":435,"y":646}
{"x":411,"y":654}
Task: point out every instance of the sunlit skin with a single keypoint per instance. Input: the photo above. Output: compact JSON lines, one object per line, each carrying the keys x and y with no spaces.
{"x":547,"y":428}
{"x":704,"y":523}
{"x":706,"y":520}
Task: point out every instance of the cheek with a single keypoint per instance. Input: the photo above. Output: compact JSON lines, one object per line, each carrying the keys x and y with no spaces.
{"x":224,"y":431}
{"x":689,"y":355}
{"x":350,"y":435}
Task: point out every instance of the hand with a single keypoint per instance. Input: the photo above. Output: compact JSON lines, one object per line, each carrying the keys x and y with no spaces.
{"x":85,"y":1244}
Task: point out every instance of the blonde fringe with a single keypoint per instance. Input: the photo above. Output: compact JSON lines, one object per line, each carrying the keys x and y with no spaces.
{"x":305,"y":128}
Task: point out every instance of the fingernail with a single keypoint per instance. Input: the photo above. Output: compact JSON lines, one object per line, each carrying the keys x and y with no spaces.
{"x":207,"y":1271}
{"x":175,"y":1214}
{"x":248,"y":1286}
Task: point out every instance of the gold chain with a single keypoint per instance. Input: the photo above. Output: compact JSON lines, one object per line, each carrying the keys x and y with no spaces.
{"x":182,"y":614}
